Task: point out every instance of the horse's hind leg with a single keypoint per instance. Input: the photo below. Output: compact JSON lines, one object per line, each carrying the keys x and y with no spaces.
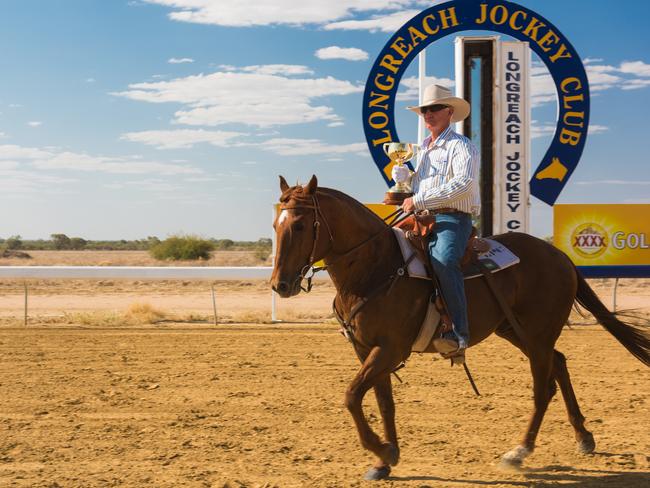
{"x":376,"y":367}
{"x":541,"y":365}
{"x":586,"y":443}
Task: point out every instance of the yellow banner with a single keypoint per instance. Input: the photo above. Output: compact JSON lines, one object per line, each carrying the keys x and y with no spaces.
{"x":602,"y":234}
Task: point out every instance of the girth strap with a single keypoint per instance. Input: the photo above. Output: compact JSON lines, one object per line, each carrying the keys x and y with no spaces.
{"x":507,"y":310}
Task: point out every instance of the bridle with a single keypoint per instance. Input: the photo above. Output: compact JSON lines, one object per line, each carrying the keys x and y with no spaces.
{"x":309,"y":267}
{"x":309,"y":270}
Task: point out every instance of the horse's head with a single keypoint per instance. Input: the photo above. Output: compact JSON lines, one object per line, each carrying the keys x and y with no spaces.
{"x":300,"y":238}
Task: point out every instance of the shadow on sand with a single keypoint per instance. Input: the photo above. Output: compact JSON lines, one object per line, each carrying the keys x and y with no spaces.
{"x":549,"y":476}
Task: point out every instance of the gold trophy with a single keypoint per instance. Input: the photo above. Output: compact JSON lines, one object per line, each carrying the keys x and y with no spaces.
{"x":399,"y":153}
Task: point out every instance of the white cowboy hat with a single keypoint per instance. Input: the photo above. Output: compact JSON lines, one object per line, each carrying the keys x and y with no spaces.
{"x":440,"y":95}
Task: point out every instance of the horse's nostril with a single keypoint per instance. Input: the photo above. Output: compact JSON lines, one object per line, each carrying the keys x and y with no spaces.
{"x":282,"y":287}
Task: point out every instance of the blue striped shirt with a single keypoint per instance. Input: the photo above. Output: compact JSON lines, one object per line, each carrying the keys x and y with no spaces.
{"x":447,"y":174}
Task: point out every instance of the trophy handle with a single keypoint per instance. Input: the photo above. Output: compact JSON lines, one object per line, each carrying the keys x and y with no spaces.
{"x":385,"y":148}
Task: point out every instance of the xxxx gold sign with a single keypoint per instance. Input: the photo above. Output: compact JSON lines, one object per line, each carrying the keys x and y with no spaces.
{"x":616,"y":237}
{"x":509,"y":18}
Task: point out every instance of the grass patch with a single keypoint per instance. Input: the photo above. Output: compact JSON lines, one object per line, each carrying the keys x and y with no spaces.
{"x":182,"y":248}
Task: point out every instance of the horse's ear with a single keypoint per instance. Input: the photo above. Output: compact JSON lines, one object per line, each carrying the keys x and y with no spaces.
{"x":310,"y":187}
{"x":284,"y":186}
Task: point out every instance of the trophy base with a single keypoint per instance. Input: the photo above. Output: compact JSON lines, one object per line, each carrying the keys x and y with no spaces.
{"x":396,"y":198}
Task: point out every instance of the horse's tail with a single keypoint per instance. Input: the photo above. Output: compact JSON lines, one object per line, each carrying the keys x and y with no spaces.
{"x":632,"y":337}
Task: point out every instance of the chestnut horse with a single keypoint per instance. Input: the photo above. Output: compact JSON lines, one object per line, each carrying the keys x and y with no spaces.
{"x":361,"y":255}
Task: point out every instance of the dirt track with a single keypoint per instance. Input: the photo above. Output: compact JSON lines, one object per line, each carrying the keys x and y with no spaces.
{"x":261,"y":405}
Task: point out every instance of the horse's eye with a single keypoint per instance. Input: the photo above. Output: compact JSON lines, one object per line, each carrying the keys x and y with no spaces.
{"x":299,"y":226}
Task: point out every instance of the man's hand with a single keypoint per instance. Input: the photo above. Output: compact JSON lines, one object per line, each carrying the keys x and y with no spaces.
{"x":408,"y":205}
{"x":401,"y":173}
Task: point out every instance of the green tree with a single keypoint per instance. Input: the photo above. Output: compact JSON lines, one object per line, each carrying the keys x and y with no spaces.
{"x":60,"y":241}
{"x":14,"y":242}
{"x":78,"y":243}
{"x":176,"y":248}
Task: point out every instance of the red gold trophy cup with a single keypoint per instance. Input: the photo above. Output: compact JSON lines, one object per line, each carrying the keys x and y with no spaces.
{"x":399,"y":153}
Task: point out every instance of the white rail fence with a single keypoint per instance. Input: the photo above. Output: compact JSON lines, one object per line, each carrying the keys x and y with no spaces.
{"x":142,"y":273}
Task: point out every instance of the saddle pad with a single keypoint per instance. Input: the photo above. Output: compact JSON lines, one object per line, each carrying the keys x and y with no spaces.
{"x":496,"y":258}
{"x":427,"y":329}
{"x":416,"y":268}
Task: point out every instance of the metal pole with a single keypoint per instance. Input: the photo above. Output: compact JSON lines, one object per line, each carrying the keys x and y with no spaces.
{"x":214,"y":304}
{"x":422,"y":74}
{"x":25,"y":283}
{"x":274,"y":317}
{"x":614,"y":295}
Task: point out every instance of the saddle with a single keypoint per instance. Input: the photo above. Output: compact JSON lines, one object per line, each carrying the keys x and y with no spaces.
{"x":419,"y":229}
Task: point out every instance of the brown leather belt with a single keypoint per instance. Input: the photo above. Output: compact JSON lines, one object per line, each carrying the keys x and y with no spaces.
{"x":446,"y":210}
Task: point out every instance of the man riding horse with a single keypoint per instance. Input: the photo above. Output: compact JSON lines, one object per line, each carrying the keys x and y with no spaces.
{"x":446,"y":183}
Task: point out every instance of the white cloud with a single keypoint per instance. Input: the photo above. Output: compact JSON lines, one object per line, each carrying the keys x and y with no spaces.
{"x":12,"y":152}
{"x":148,"y":184}
{"x":378,"y":23}
{"x":537,"y":130}
{"x":35,"y":123}
{"x":614,"y":182}
{"x":90,"y":80}
{"x":597,"y":129}
{"x":308,"y":147}
{"x":183,"y":138}
{"x":347,"y":53}
{"x":548,"y":129}
{"x":14,"y":180}
{"x":410,"y":87}
{"x":638,"y":68}
{"x":268,"y":12}
{"x":271,"y":69}
{"x":336,"y":124}
{"x":6,"y":165}
{"x":628,"y":75}
{"x":635,"y":84}
{"x":101,"y":164}
{"x":64,"y":160}
{"x":180,"y":60}
{"x":248,"y":96}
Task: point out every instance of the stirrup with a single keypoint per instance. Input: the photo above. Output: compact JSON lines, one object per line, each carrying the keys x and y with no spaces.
{"x":457,"y":356}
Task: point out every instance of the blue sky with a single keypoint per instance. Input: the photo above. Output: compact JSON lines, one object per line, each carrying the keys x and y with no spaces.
{"x":126,"y":119}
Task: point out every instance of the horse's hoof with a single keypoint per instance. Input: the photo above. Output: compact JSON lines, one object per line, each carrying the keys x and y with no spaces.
{"x":376,"y":474}
{"x":587,"y":444}
{"x":514,"y":458}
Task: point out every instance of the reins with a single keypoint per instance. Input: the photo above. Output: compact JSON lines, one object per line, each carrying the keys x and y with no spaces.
{"x":309,"y":270}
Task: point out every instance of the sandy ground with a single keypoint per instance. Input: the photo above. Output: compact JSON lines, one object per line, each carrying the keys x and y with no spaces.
{"x":262,"y":405}
{"x":93,"y":395}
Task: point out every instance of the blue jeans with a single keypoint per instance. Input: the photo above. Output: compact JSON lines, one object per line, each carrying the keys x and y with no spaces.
{"x":446,"y":250}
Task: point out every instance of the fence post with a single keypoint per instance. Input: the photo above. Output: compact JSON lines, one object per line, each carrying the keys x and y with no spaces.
{"x":614,"y":295}
{"x":26,"y":292}
{"x":214,"y":304}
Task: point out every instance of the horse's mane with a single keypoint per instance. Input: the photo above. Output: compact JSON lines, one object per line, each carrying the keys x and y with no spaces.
{"x":297,"y":192}
{"x":352,"y":201}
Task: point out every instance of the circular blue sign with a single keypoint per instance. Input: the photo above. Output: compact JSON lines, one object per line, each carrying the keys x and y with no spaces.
{"x":509,"y":18}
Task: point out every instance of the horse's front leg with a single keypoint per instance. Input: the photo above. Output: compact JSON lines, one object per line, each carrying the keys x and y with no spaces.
{"x":384,"y":395}
{"x":375,"y":372}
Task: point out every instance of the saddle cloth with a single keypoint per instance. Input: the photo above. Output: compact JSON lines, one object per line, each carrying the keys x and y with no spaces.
{"x":496,"y":258}
{"x":427,"y":329}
